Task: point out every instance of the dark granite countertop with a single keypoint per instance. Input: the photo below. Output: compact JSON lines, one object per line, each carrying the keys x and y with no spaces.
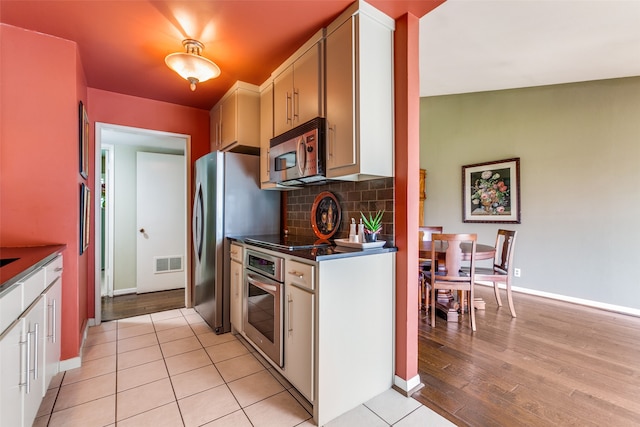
{"x":320,"y":253}
{"x":28,"y":259}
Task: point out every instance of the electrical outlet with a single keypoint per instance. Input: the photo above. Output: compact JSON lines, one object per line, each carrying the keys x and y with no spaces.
{"x":516,"y":272}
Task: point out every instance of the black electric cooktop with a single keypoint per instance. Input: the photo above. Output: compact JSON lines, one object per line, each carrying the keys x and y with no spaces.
{"x":289,"y":242}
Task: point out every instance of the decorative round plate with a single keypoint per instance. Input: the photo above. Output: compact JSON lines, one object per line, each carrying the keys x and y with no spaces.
{"x":325,"y":215}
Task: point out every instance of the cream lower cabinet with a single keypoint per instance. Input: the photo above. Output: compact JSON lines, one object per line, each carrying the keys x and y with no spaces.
{"x":299,"y":322}
{"x":236,"y":285}
{"x":30,"y":346}
{"x":355,"y":329}
{"x":339,"y":329}
{"x":359,"y":95}
{"x":21,"y":367}
{"x":53,"y":319}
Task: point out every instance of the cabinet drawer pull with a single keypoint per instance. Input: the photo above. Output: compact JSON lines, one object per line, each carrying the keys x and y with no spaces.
{"x":25,"y":372}
{"x":288,"y":108}
{"x":36,"y":362}
{"x":297,"y":273}
{"x":289,"y":303}
{"x":58,"y":269}
{"x":27,"y":369}
{"x":296,"y":101}
{"x":52,"y":306}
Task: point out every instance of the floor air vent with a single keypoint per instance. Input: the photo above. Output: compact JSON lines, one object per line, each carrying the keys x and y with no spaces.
{"x":167,"y":264}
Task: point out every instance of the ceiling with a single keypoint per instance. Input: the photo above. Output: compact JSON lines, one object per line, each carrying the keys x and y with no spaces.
{"x":465,"y":45}
{"x":123,"y":44}
{"x":472,"y":46}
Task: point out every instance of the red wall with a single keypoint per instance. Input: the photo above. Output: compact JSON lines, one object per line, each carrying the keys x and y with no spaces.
{"x":41,"y":83}
{"x":125,"y":110}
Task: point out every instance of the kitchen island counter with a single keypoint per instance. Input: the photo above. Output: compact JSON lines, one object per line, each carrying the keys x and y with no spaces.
{"x":318,"y":254}
{"x":27,"y":259}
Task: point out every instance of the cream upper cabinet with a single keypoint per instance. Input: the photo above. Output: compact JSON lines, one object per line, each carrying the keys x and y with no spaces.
{"x":266,"y":128}
{"x":214,"y":127}
{"x":235,"y":120}
{"x":359,"y":94}
{"x":298,"y":87}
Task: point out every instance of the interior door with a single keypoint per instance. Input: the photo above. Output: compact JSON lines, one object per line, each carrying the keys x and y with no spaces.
{"x":160,"y":217}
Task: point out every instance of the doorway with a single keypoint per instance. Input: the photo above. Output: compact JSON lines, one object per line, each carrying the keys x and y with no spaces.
{"x":116,"y":260}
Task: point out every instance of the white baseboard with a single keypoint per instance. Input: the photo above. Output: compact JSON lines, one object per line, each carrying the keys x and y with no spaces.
{"x":76,"y":362}
{"x":406,"y":385}
{"x":126,"y":291}
{"x":580,"y":301}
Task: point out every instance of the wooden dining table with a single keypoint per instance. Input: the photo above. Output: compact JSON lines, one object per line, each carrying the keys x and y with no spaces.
{"x":445,"y":302}
{"x":482,"y":251}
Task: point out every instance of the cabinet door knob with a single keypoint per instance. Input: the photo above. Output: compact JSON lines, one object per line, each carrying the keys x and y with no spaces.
{"x":142,"y":230}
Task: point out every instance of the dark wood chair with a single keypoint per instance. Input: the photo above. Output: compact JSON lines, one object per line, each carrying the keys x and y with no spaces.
{"x":450,"y":276}
{"x":502,"y":270}
{"x":424,"y":234}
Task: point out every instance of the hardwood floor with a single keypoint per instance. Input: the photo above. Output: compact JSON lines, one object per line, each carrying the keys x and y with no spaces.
{"x":555,"y":364}
{"x":130,"y":305}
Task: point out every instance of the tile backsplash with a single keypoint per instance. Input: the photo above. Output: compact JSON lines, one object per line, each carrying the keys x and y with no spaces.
{"x":353,"y":197}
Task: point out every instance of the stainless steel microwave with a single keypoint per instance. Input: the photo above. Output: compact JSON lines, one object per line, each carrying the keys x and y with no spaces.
{"x":297,"y":156}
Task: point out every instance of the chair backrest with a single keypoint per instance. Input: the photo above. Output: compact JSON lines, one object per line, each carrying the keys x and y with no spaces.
{"x":505,"y":244}
{"x":455,"y":245}
{"x":425,"y":232}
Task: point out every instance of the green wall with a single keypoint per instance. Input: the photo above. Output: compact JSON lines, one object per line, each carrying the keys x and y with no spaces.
{"x":579,"y":150}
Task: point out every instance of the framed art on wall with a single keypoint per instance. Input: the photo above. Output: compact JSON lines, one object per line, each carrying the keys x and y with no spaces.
{"x":325,"y":215}
{"x":85,"y":216}
{"x":83,"y":135}
{"x":491,"y":192}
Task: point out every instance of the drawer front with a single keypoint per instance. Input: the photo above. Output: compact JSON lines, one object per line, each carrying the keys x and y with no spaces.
{"x":236,"y":252}
{"x":53,"y":270}
{"x":300,"y":274}
{"x":10,"y":307}
{"x":32,"y":287}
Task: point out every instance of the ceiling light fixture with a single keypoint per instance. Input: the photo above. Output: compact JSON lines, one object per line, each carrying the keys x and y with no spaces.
{"x":190,"y":65}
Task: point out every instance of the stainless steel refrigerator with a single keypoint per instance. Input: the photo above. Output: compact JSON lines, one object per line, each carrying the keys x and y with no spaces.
{"x":228,"y":202}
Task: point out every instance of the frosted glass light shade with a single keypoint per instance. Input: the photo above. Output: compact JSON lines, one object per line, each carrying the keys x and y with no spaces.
{"x":191,"y":66}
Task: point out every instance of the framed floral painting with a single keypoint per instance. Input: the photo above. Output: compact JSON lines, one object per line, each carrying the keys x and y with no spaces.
{"x":491,"y":192}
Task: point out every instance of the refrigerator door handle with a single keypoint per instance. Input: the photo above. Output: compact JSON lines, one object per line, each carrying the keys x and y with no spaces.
{"x":197,"y":225}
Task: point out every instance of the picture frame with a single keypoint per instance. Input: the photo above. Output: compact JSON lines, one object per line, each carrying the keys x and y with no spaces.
{"x":491,"y":192}
{"x":325,"y":215}
{"x":83,"y":136}
{"x":85,"y":215}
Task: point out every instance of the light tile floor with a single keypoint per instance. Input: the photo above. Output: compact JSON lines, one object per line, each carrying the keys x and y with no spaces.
{"x":170,"y":369}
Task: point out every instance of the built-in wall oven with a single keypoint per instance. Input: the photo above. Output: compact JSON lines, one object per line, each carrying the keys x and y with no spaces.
{"x":263,"y":303}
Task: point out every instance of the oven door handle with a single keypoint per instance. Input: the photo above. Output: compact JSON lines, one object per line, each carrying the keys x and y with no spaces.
{"x":272,"y":289}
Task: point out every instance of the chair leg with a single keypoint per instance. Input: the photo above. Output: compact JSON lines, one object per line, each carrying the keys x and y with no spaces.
{"x":472,"y":311}
{"x":432,"y":307}
{"x":510,"y":299}
{"x":496,"y":290}
{"x":420,"y":292}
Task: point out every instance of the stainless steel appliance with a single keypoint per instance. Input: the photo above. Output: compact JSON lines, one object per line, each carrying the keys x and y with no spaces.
{"x":227,"y":202}
{"x":297,"y":156}
{"x":263,"y":303}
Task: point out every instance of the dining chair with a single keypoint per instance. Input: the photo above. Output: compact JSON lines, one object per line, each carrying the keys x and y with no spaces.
{"x":502,"y":270}
{"x":424,"y":234}
{"x":452,"y":277}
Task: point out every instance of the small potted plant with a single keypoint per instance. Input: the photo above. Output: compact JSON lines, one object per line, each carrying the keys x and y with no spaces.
{"x":372,"y":226}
